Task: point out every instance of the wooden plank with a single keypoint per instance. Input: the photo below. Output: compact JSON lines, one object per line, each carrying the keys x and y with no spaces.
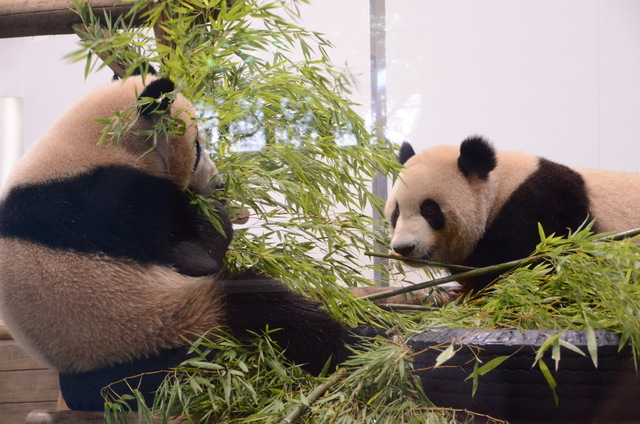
{"x":16,"y":413}
{"x":23,"y":18}
{"x":29,"y":386}
{"x":42,"y":416}
{"x":78,"y":417}
{"x":13,"y":358}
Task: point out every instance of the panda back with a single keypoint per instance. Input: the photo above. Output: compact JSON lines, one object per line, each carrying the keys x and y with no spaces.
{"x":614,"y":199}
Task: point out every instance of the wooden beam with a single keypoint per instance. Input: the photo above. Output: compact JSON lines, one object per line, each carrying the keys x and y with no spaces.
{"x":41,"y":416}
{"x":23,"y":18}
{"x":4,"y":334}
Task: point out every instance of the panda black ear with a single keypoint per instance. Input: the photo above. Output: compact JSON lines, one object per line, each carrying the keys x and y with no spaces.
{"x":405,"y":153}
{"x":156,"y":90}
{"x":477,"y":156}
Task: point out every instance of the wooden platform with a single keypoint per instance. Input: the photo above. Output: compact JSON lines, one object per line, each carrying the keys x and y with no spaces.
{"x":25,"y":384}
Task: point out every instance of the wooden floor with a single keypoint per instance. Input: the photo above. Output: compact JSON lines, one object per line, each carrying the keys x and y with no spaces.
{"x":25,"y":384}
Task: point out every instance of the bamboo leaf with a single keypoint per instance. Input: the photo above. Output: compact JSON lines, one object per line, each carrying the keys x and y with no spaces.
{"x":555,"y":353}
{"x":491,"y":365}
{"x":475,"y":377}
{"x":445,"y":355}
{"x":550,"y":380}
{"x":592,"y":345}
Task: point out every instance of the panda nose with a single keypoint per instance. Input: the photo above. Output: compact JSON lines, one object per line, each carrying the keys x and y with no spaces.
{"x":404,"y":249}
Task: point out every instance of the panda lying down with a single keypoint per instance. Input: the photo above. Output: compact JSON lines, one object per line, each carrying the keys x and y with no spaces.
{"x":477,"y":207}
{"x":105,"y":265}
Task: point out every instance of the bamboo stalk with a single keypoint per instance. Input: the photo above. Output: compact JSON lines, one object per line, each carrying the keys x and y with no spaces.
{"x":493,"y":269}
{"x":622,"y":235}
{"x":407,"y":307}
{"x":312,"y":397}
{"x":421,"y":261}
{"x":477,"y":272}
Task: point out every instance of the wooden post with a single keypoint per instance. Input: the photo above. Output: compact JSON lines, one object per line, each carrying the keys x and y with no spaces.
{"x":24,"y":18}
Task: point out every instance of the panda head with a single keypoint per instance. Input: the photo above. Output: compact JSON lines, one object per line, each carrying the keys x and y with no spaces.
{"x":139,"y":106}
{"x":439,"y":207}
{"x":181,"y":151}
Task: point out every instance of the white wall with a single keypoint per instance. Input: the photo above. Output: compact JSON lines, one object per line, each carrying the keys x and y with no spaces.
{"x":34,"y":69}
{"x":558,"y":78}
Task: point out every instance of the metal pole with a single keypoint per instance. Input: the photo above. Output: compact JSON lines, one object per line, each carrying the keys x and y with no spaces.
{"x":10,"y":135}
{"x":378,"y":69}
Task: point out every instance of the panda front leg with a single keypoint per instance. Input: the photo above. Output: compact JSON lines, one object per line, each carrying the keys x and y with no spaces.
{"x":310,"y":336}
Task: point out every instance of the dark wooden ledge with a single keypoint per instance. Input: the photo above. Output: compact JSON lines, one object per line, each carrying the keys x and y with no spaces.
{"x":43,"y":416}
{"x":23,"y":18}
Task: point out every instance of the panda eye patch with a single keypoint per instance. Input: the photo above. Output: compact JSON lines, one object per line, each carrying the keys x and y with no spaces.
{"x":395,"y":215}
{"x":198,"y":153}
{"x":430,"y":210}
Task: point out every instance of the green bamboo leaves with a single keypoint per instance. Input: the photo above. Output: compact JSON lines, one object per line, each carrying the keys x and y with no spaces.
{"x":278,"y":123}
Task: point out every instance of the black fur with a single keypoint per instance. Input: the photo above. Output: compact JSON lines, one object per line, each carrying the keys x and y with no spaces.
{"x":82,"y":391}
{"x":395,"y":215}
{"x":405,"y":153}
{"x":554,"y":196}
{"x":156,"y":90}
{"x":431,"y":212}
{"x":477,"y":156}
{"x":309,"y":334}
{"x":141,"y":69}
{"x":120,"y":212}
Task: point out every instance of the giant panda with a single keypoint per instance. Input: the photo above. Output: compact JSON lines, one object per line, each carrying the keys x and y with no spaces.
{"x":106,"y":266}
{"x":477,"y":207}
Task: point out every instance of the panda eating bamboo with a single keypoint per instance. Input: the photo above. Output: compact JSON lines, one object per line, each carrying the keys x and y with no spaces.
{"x":473,"y":206}
{"x":105,"y":266}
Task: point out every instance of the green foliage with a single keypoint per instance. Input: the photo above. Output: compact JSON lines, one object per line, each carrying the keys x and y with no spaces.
{"x":290,"y":148}
{"x":254,"y":383}
{"x":581,"y":282}
{"x":281,"y":130}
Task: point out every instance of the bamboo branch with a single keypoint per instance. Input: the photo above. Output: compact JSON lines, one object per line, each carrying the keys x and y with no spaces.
{"x":82,"y":31}
{"x":477,"y":272}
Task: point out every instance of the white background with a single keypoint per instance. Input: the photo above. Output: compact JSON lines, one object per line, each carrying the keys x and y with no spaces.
{"x":558,"y":78}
